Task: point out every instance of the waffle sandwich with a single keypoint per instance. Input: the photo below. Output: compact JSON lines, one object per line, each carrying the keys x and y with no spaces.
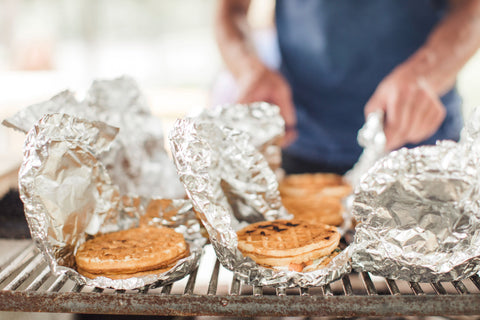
{"x":321,"y":184}
{"x":131,"y":253}
{"x":315,"y":197}
{"x":289,"y":243}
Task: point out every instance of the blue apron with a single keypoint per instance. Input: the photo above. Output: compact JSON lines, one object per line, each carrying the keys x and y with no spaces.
{"x":334,"y":54}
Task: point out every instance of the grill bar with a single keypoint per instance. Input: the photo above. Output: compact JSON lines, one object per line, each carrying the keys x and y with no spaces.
{"x":213,"y":284}
{"x":23,"y":275}
{"x":77,"y":287}
{"x":476,"y":281}
{"x":347,"y":286}
{"x":42,"y":277}
{"x":392,"y":287}
{"x":191,"y":282}
{"x":368,"y":284}
{"x":460,"y":287}
{"x":58,"y":284}
{"x":167,"y":289}
{"x":290,"y":305}
{"x":362,"y":295}
{"x":439,"y":289}
{"x":327,"y":290}
{"x":416,"y":288}
{"x":11,"y":266}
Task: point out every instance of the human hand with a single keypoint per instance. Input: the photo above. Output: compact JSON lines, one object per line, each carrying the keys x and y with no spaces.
{"x":413,"y":110}
{"x":264,"y":84}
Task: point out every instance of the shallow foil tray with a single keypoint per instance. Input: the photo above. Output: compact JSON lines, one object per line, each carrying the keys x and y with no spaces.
{"x":26,"y":284}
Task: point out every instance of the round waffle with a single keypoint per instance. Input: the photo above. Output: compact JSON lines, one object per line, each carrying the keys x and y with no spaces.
{"x":131,"y":251}
{"x":282,"y":238}
{"x":315,"y":197}
{"x":314,"y":209}
{"x":327,"y":184}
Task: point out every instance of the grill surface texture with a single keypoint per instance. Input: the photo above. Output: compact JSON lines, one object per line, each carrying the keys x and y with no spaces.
{"x":26,"y":284}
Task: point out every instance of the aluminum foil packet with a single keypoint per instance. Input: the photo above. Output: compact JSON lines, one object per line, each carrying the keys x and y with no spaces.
{"x":69,"y":195}
{"x":231,"y":185}
{"x":136,"y":160}
{"x":419,"y":212}
{"x":261,"y":120}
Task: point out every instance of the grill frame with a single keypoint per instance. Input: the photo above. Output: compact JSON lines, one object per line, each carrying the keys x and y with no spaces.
{"x":26,"y":284}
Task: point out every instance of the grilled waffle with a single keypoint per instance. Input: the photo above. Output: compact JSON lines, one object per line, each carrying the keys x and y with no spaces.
{"x":287,"y":242}
{"x":315,"y":197}
{"x":315,"y":209}
{"x":321,"y":184}
{"x":130,"y":252}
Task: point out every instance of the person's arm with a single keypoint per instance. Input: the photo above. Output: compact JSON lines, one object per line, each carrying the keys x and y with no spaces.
{"x":409,"y":95}
{"x":255,"y":80}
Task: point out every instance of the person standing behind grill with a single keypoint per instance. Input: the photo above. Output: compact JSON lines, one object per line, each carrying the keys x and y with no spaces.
{"x":344,"y":59}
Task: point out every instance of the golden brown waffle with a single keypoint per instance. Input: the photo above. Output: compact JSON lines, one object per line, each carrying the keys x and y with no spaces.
{"x":322,"y":184}
{"x":269,"y":261}
{"x":318,"y":179}
{"x":282,"y":238}
{"x":291,"y":243}
{"x":315,"y":209}
{"x":315,"y":197}
{"x":131,"y":251}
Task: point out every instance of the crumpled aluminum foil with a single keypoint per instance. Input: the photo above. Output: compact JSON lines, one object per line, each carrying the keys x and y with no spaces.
{"x":372,"y":138}
{"x":230,"y":185}
{"x":419,"y":212}
{"x":68,"y":195}
{"x":261,"y":120}
{"x":137,"y":159}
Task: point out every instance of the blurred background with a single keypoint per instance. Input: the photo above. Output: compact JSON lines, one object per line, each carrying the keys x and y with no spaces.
{"x":47,"y":46}
{"x":168,"y":47}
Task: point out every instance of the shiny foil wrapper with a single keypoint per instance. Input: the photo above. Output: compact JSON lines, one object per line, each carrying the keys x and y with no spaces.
{"x":231,"y":185}
{"x":68,"y":196}
{"x":261,"y":120}
{"x":136,"y":160}
{"x":372,"y":138}
{"x":419,"y":212}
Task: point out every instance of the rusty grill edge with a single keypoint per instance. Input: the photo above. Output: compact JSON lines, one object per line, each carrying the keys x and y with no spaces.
{"x":26,"y":284}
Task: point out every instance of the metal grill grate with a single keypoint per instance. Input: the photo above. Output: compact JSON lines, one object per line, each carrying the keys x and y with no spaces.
{"x":26,"y":284}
